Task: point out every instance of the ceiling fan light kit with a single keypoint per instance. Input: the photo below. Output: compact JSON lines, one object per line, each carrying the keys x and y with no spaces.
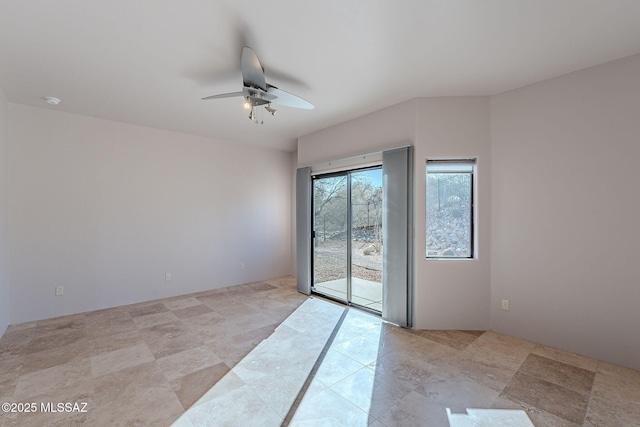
{"x":258,"y":93}
{"x":51,"y":100}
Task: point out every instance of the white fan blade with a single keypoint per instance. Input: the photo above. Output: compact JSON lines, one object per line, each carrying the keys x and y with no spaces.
{"x":225,"y":95}
{"x":252,"y":71}
{"x":288,"y":99}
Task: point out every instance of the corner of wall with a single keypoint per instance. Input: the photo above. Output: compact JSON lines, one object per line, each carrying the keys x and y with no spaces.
{"x":4,"y":252}
{"x":294,"y":167}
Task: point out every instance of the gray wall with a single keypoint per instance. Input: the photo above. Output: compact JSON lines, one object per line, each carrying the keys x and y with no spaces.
{"x":566,"y":210}
{"x":105,"y":209}
{"x":4,"y":276}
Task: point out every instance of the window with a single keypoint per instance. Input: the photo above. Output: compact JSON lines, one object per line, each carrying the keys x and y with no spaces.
{"x":450,"y":208}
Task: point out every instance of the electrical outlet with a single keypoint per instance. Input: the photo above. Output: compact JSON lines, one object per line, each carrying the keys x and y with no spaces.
{"x":505,"y":304}
{"x":59,"y":290}
{"x":242,"y":266}
{"x":167,"y":276}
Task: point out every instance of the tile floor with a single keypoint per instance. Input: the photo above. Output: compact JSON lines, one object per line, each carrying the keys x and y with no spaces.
{"x":261,"y":353}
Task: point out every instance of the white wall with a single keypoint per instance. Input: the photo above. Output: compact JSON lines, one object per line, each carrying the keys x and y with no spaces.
{"x":453,"y":294}
{"x":566,"y":210}
{"x":4,"y":273}
{"x":388,"y":128}
{"x":105,"y":209}
{"x":449,"y":294}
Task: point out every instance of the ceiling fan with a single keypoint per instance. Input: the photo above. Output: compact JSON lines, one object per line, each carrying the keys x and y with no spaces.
{"x":257,"y":92}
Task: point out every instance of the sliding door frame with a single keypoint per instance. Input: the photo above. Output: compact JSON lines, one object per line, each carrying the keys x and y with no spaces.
{"x":398,"y":228}
{"x":349,"y":234}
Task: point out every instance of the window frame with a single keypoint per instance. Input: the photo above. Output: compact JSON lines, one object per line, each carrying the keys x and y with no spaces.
{"x":473,"y":163}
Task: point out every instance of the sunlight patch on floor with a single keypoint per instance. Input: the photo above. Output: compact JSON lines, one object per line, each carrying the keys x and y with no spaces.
{"x":489,"y":418}
{"x":261,"y":388}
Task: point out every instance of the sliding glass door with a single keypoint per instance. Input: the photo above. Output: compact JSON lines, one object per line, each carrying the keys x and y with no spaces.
{"x":347,"y":237}
{"x":330,"y":236}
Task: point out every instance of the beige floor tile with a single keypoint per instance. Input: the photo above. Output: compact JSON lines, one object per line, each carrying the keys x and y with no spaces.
{"x":146,"y":309}
{"x":413,"y":411}
{"x":455,"y":339}
{"x":261,"y":362}
{"x":609,"y":412}
{"x":255,"y":335}
{"x":617,"y":383}
{"x":228,"y":407}
{"x":183,"y":421}
{"x":79,"y":394}
{"x":229,"y":382}
{"x":250,"y":322}
{"x":194,"y":310}
{"x":490,"y":371}
{"x":280,"y":393}
{"x":371,"y":391}
{"x":336,"y":367}
{"x":76,"y":350}
{"x":51,"y":380}
{"x":313,"y":411}
{"x":266,"y":303}
{"x":60,"y":324}
{"x":108,"y":324}
{"x":218,"y":301}
{"x":231,"y":350}
{"x":504,"y":345}
{"x":191,"y":352}
{"x":482,"y":417}
{"x":120,"y":384}
{"x":359,"y":322}
{"x":361,"y":349}
{"x":539,"y":417}
{"x":190,"y":388}
{"x":113,"y":361}
{"x":149,"y":320}
{"x":170,"y":338}
{"x":261,"y":286}
{"x":181,"y":302}
{"x":411,"y":371}
{"x":56,"y":339}
{"x":16,"y":343}
{"x":210,"y":327}
{"x":559,"y":373}
{"x":439,"y":357}
{"x":152,"y":406}
{"x":549,"y":397}
{"x":20,"y":327}
{"x":235,"y":310}
{"x":456,"y":392}
{"x":189,"y":361}
{"x":300,"y":350}
{"x":565,"y":357}
{"x":395,"y":337}
{"x":11,"y":365}
{"x":105,"y":317}
{"x":107,"y":343}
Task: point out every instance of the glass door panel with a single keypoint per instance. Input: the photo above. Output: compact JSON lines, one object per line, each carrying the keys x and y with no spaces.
{"x":330,"y":245}
{"x":366,"y":238}
{"x":347,"y":244}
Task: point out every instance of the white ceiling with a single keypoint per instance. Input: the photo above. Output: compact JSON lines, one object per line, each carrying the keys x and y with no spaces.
{"x":149,"y":62}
